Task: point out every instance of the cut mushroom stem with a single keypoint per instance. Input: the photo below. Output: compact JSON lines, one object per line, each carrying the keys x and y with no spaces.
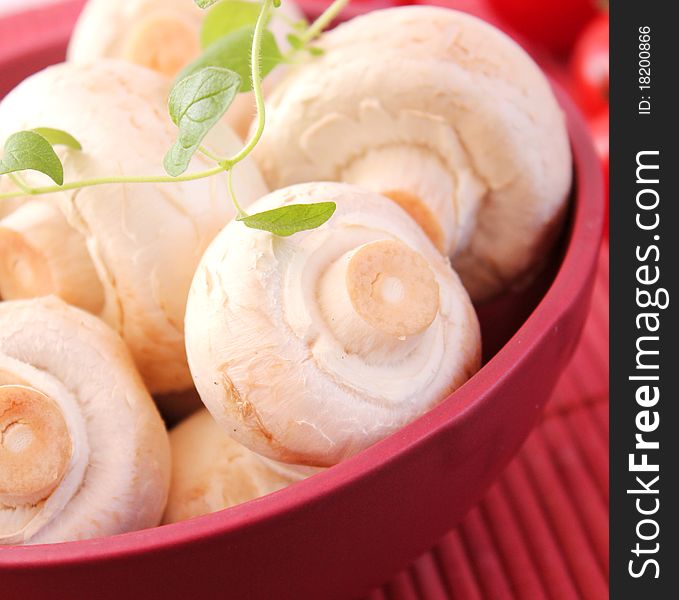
{"x":125,"y":253}
{"x":456,"y":124}
{"x":162,"y":41}
{"x":35,"y":445}
{"x":336,"y":338}
{"x":41,"y":254}
{"x":165,"y":35}
{"x":83,"y":450}
{"x":377,"y":295}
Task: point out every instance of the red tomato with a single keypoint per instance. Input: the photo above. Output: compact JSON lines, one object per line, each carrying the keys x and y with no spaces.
{"x":589,"y":66}
{"x":554,"y":24}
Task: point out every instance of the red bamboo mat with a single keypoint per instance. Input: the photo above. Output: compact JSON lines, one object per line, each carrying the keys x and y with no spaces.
{"x":541,"y":532}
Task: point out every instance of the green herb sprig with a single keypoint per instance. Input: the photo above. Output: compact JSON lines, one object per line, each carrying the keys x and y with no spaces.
{"x":239,"y":51}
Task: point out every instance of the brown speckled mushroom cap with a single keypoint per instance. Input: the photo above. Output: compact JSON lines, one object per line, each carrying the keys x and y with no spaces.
{"x":211,"y":471}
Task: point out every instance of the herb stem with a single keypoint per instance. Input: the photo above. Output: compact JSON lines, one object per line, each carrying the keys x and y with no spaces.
{"x":319,"y":25}
{"x":311,"y":33}
{"x":210,"y":155}
{"x":256,"y":73}
{"x":19,"y":182}
{"x":240,"y":213}
{"x":74,"y":185}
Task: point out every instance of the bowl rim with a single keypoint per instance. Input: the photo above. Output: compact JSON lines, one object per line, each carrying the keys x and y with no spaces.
{"x":575,"y":270}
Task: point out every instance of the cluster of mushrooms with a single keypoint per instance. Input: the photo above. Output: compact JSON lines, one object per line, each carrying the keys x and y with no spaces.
{"x":447,"y":156}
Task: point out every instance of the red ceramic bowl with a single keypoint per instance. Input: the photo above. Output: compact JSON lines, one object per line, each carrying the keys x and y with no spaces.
{"x":344,"y":531}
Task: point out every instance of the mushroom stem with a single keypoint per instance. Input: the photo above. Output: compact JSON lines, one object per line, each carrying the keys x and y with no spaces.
{"x":377,"y":296}
{"x":35,"y":445}
{"x":41,"y":254}
{"x":163,"y":41}
{"x":417,"y":181}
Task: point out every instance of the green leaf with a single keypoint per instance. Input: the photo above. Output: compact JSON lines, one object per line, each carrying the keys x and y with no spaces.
{"x":196,"y":103}
{"x":227,"y":17}
{"x":233,"y":52}
{"x":295,"y":41}
{"x":205,"y":3}
{"x":301,"y":26}
{"x":28,"y":150}
{"x":58,"y":137}
{"x":286,"y":220}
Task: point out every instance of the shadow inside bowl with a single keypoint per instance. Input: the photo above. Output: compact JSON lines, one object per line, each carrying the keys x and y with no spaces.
{"x":502,"y":317}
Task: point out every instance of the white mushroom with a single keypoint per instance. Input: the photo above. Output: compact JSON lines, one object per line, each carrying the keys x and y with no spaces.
{"x":211,"y":471}
{"x":127,"y":253}
{"x":164,"y":36}
{"x":7,"y":206}
{"x":41,"y":254}
{"x":310,"y":348}
{"x":447,"y":116}
{"x":83,"y":450}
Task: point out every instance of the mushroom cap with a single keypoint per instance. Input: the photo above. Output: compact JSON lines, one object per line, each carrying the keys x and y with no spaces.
{"x":8,"y":206}
{"x":211,"y":471}
{"x":271,"y":355}
{"x":42,"y":254}
{"x":104,"y":26}
{"x":107,"y":28}
{"x":442,"y":106}
{"x":144,"y":240}
{"x":118,"y":476}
